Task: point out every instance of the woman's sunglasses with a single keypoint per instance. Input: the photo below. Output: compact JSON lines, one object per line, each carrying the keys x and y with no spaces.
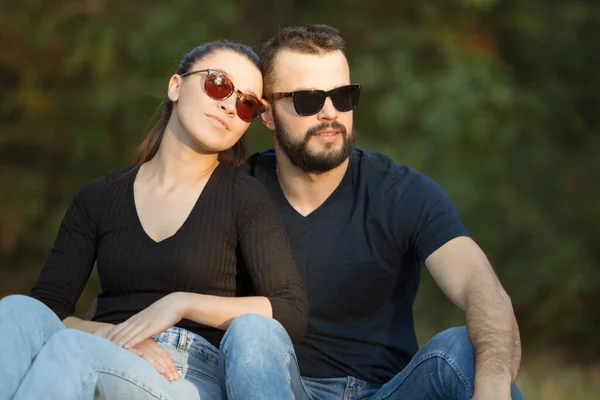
{"x":219,"y":87}
{"x":310,"y":102}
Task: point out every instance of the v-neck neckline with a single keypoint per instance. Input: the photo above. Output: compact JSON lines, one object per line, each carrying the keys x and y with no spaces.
{"x":314,"y":214}
{"x":202,"y":195}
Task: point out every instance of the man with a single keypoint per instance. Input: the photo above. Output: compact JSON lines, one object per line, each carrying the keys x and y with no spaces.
{"x":361,"y":226}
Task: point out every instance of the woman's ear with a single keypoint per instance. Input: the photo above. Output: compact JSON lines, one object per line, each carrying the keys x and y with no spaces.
{"x":267,"y":116}
{"x":174,"y":87}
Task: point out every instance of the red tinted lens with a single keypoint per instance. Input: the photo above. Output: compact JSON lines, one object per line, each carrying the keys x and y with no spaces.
{"x":218,"y":86}
{"x":248,"y":107}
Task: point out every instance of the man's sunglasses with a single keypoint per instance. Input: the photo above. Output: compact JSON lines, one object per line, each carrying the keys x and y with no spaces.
{"x":310,"y":102}
{"x":219,"y":87}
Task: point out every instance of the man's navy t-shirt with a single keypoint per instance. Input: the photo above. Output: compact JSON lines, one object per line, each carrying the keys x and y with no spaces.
{"x":360,"y":255}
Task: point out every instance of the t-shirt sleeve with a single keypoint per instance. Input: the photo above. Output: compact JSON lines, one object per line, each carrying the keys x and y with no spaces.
{"x":426,"y":216}
{"x":73,"y":255}
{"x":266,"y":252}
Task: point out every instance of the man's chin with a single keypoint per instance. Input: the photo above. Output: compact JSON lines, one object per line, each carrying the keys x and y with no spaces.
{"x":325,"y":149}
{"x":325,"y":161}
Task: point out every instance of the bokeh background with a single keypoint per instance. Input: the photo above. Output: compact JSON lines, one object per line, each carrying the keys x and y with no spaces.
{"x":498,"y":101}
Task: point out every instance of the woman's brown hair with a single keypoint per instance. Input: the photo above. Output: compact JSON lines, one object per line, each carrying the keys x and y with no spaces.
{"x":233,"y":156}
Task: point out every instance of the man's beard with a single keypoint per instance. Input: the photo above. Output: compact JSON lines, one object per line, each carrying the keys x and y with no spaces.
{"x":312,"y":162}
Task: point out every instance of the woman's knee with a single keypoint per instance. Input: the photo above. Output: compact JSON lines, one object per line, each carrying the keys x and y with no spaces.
{"x":65,"y":339}
{"x":29,"y":315}
{"x":17,"y":304}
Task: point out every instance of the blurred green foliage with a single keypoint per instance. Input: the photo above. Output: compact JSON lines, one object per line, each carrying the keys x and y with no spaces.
{"x":498,"y":101}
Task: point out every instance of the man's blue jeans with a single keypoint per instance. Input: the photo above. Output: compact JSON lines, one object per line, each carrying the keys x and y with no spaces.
{"x":258,"y":362}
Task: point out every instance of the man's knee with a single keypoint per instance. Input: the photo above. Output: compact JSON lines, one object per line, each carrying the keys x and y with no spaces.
{"x":454,"y":341}
{"x":251,"y":330}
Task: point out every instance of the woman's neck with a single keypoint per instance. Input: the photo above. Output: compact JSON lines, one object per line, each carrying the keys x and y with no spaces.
{"x":177,"y":164}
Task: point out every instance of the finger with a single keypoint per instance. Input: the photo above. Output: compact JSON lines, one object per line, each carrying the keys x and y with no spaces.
{"x":129,"y":331}
{"x":137,"y":352}
{"x":151,"y":356}
{"x":119,"y":330}
{"x":171,"y":371}
{"x":111,"y":333}
{"x":145,"y":331}
{"x":137,"y":339}
{"x":133,"y":336}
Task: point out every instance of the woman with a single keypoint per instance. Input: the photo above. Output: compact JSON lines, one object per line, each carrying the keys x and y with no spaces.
{"x":183,"y":243}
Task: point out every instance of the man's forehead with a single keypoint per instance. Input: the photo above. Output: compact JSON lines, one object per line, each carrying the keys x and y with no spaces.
{"x":297,"y":71}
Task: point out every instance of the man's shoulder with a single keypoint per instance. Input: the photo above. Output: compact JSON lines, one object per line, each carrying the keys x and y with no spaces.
{"x":258,"y":161}
{"x":379,"y":168}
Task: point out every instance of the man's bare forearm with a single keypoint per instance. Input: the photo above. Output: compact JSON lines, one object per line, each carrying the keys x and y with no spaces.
{"x":494,"y":332}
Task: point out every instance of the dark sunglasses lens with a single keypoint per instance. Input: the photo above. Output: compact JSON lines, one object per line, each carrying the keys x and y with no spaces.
{"x":308,"y":102}
{"x":346,"y":97}
{"x":218,"y":86}
{"x":248,"y":107}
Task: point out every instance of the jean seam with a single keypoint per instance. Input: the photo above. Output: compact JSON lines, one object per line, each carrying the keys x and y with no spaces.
{"x":209,"y":378}
{"x":451,"y":362}
{"x":91,"y":381}
{"x":292,"y":353}
{"x":108,"y":372}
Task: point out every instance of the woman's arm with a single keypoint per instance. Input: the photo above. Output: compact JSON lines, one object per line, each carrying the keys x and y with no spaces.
{"x":73,"y":254}
{"x":213,"y":311}
{"x":96,"y":328}
{"x":218,"y":311}
{"x":266,"y":253}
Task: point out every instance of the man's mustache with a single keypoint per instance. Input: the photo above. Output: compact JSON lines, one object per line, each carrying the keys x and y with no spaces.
{"x":333,"y":125}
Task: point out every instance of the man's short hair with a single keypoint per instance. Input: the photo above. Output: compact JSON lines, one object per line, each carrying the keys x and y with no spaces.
{"x":314,"y":39}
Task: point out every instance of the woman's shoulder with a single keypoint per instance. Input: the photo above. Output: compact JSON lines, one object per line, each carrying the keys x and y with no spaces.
{"x":239,"y":179}
{"x":248,"y":185}
{"x":95,"y":188}
{"x":245,"y":191}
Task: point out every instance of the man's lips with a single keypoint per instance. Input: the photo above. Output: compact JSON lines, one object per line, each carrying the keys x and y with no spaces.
{"x":327,"y":132}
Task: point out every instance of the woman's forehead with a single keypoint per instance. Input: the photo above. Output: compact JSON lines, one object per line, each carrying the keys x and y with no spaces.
{"x":243,"y":72}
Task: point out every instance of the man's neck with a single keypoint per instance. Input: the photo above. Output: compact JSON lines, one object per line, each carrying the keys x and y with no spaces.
{"x":307,"y":191}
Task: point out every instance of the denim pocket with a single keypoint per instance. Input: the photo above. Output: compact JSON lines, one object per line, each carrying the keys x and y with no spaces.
{"x":170,"y":336}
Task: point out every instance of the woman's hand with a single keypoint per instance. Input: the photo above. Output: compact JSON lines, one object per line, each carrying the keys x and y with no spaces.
{"x":155,"y":319}
{"x":158,"y":357}
{"x":149,"y":350}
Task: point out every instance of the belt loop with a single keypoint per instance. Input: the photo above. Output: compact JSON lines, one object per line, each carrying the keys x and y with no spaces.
{"x":182,"y":339}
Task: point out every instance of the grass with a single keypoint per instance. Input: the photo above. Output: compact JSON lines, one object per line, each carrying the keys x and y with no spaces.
{"x":546,"y":378}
